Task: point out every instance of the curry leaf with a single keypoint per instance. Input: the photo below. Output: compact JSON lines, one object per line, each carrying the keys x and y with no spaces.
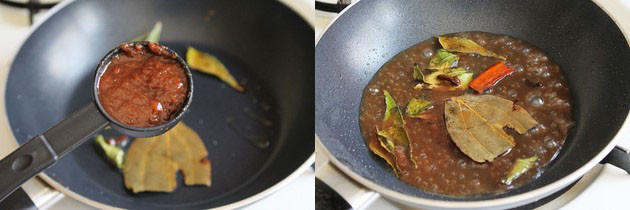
{"x":475,"y":123}
{"x":464,"y":79}
{"x":152,"y":36}
{"x":391,"y":106}
{"x":416,"y":106}
{"x":443,"y":60}
{"x":432,"y":82}
{"x":113,"y":153}
{"x":392,"y":133}
{"x":417,"y":73}
{"x":140,"y":37}
{"x":464,"y":45}
{"x":395,"y":135}
{"x":377,"y":148}
{"x":392,"y":127}
{"x":209,"y":64}
{"x":454,"y":72}
{"x":155,"y":33}
{"x":152,"y":163}
{"x":519,"y":168}
{"x":395,"y":141}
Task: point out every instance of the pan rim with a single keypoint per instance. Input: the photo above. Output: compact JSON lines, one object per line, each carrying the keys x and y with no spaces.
{"x":505,"y":202}
{"x":67,"y":192}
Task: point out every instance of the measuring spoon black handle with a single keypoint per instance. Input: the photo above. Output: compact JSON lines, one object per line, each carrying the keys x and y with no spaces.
{"x":619,"y":157}
{"x":44,"y":150}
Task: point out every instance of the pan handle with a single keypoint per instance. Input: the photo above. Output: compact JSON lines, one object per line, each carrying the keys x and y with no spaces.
{"x":44,"y":150}
{"x":328,"y":7}
{"x":619,"y":157}
{"x":357,"y":196}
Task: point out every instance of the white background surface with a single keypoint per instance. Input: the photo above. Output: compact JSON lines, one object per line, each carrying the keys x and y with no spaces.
{"x":14,"y":28}
{"x":611,"y":186}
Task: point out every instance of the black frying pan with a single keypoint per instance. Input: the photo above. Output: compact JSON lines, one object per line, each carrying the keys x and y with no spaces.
{"x":266,"y":46}
{"x":578,"y":35}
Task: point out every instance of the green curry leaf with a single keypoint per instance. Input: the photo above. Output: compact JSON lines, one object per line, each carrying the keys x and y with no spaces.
{"x":140,"y":37}
{"x":395,"y":135}
{"x":154,"y":35}
{"x":454,"y":72}
{"x":391,"y":106}
{"x":417,"y":73}
{"x":464,"y":79}
{"x":432,"y":82}
{"x":519,"y":168}
{"x":443,"y":59}
{"x":392,"y":133}
{"x":113,"y":153}
{"x":416,"y":106}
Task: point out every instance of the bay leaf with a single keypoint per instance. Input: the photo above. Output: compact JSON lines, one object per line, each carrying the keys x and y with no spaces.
{"x":147,"y":168}
{"x":443,"y":59}
{"x":475,"y":123}
{"x":151,"y":164}
{"x":210,"y":64}
{"x":189,"y":152}
{"x":519,"y":168}
{"x":464,"y":45}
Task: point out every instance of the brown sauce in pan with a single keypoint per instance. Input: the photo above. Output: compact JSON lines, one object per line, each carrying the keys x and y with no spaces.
{"x":538,"y":85}
{"x":143,"y":87}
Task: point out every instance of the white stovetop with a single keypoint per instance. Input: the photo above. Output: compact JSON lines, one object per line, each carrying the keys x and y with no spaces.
{"x":604,"y":187}
{"x":14,"y":29}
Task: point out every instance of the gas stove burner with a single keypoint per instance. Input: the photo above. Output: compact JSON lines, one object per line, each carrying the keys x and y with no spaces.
{"x":33,"y":6}
{"x":327,"y":199}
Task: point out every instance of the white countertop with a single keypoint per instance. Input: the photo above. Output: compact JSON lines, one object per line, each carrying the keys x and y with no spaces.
{"x":604,"y":187}
{"x":14,"y":29}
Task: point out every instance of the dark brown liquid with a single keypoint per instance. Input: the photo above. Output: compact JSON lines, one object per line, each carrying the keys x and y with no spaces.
{"x":442,"y":167}
{"x":143,"y":87}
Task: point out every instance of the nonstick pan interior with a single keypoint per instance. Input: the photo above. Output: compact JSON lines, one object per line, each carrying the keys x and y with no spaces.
{"x":578,"y":35}
{"x":265,"y":45}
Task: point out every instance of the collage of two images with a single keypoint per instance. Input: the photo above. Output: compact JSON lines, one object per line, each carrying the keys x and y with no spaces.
{"x":326,"y":104}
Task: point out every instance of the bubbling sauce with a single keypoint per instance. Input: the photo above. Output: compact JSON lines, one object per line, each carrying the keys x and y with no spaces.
{"x":538,"y":85}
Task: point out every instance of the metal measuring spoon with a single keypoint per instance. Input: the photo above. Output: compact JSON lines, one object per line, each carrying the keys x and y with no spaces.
{"x":43,"y":150}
